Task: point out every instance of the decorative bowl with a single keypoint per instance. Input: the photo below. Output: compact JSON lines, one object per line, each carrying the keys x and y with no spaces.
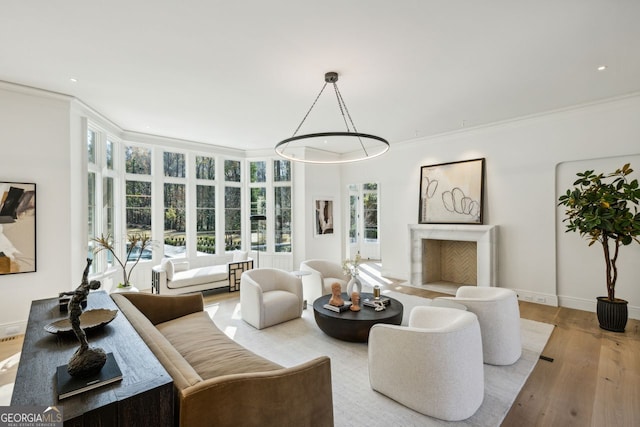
{"x":90,"y":319}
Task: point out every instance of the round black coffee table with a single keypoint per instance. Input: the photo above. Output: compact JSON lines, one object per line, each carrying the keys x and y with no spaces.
{"x":354,"y":325}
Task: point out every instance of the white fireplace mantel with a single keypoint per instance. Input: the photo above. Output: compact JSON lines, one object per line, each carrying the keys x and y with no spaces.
{"x":485,"y":237}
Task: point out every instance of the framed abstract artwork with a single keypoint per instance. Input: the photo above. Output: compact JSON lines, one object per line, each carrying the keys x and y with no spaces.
{"x":323,"y":212}
{"x":452,"y":193}
{"x":17,"y":227}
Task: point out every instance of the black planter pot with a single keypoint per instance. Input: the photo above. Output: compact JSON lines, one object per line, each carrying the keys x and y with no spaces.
{"x":612,"y":315}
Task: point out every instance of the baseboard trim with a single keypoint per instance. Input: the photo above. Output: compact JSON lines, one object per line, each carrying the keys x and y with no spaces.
{"x":12,"y":329}
{"x":590,"y":305}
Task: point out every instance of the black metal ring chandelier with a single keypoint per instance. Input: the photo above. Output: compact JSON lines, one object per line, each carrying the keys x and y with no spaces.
{"x":332,"y":147}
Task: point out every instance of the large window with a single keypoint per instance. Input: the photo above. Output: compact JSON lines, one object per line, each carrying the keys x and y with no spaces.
{"x":232,"y":205}
{"x":206,"y":218}
{"x":138,"y":208}
{"x":206,"y":205}
{"x":175,"y":209}
{"x":174,"y":164}
{"x":138,"y":160}
{"x":282,"y":218}
{"x":370,"y":211}
{"x":205,"y":167}
{"x":232,"y":218}
{"x":353,"y":213}
{"x":270,"y":198}
{"x":138,"y":195}
{"x":205,"y":201}
{"x":175,"y":220}
{"x":100,"y":194}
{"x":282,"y":205}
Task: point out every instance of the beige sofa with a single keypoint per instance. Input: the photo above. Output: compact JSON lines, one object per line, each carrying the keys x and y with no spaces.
{"x":219,"y":382}
{"x":180,"y":276}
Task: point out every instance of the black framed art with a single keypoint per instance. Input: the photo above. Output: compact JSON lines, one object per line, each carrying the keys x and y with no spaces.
{"x":452,"y":193}
{"x":17,"y":227}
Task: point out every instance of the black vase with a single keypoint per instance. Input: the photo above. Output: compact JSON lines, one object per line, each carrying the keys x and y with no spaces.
{"x":612,"y":315}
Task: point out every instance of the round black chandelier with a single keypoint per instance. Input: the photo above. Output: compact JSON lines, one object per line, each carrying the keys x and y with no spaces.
{"x":332,"y":147}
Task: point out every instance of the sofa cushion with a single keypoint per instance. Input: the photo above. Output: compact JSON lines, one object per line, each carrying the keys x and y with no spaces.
{"x":173,"y":266}
{"x":208,"y":350}
{"x":198,"y":276}
{"x":239,"y":256}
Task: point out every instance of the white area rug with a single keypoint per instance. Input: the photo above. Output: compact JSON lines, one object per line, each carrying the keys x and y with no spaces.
{"x":8,"y":370}
{"x":354,"y":402}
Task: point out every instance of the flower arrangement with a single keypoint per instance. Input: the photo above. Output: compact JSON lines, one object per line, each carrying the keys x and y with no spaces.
{"x":135,"y":242}
{"x":350,"y":266}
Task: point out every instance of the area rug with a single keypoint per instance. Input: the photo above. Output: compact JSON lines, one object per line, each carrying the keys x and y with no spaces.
{"x":8,"y":371}
{"x":354,"y":402}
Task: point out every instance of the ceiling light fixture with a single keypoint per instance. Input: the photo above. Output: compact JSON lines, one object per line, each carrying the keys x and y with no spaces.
{"x":602,"y":68}
{"x":332,"y":147}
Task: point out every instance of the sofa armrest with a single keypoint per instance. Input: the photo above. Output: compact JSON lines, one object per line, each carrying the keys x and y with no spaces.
{"x":296,"y":396}
{"x":235,"y":270}
{"x":251,"y":296}
{"x":162,"y":308}
{"x":158,"y":279}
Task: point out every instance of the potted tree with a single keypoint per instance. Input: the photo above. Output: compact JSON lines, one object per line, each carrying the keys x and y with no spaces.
{"x":604,"y":209}
{"x":136,"y":244}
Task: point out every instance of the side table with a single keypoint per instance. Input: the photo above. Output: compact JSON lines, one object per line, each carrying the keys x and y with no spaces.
{"x":299,"y":274}
{"x":144,"y":396}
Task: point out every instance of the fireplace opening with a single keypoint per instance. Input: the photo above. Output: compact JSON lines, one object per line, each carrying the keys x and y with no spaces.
{"x":449,"y":262}
{"x":463,"y":254}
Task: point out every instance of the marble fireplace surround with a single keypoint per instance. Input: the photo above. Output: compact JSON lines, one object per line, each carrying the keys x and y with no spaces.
{"x":485,"y":237}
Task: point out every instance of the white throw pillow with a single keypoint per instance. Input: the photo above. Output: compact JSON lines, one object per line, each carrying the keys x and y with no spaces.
{"x":172,"y":266}
{"x":240,"y":256}
{"x":167,"y":266}
{"x":180,"y":265}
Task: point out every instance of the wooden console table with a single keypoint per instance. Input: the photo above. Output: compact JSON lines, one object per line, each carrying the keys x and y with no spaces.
{"x":144,"y":397}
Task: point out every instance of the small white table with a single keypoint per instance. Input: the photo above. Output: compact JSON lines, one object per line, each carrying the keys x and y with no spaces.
{"x":299,"y":274}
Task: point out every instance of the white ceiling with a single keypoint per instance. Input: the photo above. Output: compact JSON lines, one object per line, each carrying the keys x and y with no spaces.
{"x":243,"y":73}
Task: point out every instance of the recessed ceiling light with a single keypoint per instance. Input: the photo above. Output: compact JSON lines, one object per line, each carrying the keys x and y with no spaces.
{"x":73,"y":80}
{"x":602,"y":68}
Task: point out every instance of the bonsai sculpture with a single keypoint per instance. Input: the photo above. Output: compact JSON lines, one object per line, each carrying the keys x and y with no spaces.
{"x":599,"y":207}
{"x":86,"y":361}
{"x":140,"y":241}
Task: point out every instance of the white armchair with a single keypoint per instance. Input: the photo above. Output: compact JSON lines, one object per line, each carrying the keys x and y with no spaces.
{"x":323,"y":274}
{"x":499,"y":316}
{"x":442,"y":374}
{"x":269,"y":296}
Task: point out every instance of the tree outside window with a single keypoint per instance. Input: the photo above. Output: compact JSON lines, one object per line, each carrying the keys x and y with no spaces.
{"x":174,"y":220}
{"x":174,"y":164}
{"x":205,"y":167}
{"x":138,"y":212}
{"x":257,"y":171}
{"x":258,"y":228}
{"x":206,"y":219}
{"x":232,"y":218}
{"x":137,"y":160}
{"x":370,"y":211}
{"x":282,"y":218}
{"x":232,"y":171}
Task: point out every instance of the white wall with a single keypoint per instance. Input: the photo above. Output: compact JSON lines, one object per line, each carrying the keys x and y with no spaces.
{"x":520,"y":195}
{"x":34,"y":147}
{"x":527,"y":162}
{"x":322,"y":182}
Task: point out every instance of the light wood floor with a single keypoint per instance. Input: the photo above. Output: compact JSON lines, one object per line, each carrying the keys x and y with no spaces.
{"x":593,"y":380}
